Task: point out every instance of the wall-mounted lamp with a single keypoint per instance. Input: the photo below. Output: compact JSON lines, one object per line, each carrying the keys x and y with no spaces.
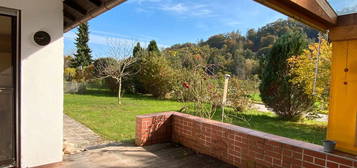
{"x":42,"y":38}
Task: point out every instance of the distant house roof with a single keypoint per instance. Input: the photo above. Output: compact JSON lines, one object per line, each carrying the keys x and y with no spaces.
{"x":76,"y":12}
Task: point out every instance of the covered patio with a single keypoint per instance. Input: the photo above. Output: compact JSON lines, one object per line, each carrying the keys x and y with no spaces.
{"x":166,"y":155}
{"x":36,"y":107}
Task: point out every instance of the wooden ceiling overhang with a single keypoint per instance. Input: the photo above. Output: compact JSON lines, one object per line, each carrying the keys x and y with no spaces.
{"x":76,"y":12}
{"x":318,"y":14}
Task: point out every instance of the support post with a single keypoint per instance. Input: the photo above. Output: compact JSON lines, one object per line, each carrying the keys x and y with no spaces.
{"x":225,"y":91}
{"x":342,"y":126}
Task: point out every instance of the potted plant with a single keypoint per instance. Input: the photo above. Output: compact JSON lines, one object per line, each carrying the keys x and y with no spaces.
{"x":329,"y":145}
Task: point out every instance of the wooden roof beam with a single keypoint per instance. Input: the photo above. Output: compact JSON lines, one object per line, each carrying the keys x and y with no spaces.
{"x":75,"y":6}
{"x":69,"y":16}
{"x":96,"y":2}
{"x":346,"y":28}
{"x":105,"y":6}
{"x":316,"y":13}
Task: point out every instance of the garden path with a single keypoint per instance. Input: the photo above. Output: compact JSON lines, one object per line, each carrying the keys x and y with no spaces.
{"x":78,"y":137}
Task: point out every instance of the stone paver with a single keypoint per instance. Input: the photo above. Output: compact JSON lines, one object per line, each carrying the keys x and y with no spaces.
{"x":79,"y":135}
{"x":129,"y":156}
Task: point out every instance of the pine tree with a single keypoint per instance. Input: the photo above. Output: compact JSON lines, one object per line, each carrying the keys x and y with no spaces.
{"x":137,"y":49}
{"x":83,"y":55}
{"x":287,"y":100}
{"x":152,"y":48}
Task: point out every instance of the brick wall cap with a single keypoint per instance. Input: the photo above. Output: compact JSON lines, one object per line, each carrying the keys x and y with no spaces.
{"x":255,"y":133}
{"x":155,"y":114}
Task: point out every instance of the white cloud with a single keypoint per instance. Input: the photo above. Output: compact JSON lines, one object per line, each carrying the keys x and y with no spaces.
{"x":136,"y":36}
{"x":188,"y":9}
{"x":179,"y":8}
{"x":143,"y":1}
{"x":108,"y":39}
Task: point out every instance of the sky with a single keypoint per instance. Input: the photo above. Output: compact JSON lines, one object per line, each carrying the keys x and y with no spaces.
{"x":340,"y":5}
{"x":171,"y":22}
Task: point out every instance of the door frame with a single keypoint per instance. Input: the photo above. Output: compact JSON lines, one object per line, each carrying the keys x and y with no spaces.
{"x":15,"y":37}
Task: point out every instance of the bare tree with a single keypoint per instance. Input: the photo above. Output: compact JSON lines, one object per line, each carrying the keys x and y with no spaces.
{"x":120,"y":59}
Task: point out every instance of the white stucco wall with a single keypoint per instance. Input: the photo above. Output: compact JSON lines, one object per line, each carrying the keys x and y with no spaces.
{"x":41,"y":81}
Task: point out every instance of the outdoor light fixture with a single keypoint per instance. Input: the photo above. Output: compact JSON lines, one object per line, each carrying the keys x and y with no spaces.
{"x":42,"y":38}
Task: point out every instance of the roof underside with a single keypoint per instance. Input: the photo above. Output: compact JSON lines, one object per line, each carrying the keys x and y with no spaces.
{"x":76,"y":12}
{"x":316,"y":13}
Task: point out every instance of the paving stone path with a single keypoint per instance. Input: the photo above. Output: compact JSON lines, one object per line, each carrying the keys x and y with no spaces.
{"x":78,"y":135}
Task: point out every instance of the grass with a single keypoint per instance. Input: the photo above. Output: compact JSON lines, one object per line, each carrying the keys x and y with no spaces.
{"x":256,"y":98}
{"x":99,"y":111}
{"x":308,"y":130}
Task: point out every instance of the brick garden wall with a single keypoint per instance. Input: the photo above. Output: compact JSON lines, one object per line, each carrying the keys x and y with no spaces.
{"x":236,"y":145}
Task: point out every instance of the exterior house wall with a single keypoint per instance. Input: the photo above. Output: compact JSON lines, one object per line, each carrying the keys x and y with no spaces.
{"x":41,"y":81}
{"x":238,"y":146}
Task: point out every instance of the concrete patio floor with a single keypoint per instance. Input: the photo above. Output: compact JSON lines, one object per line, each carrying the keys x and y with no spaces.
{"x":129,"y":156}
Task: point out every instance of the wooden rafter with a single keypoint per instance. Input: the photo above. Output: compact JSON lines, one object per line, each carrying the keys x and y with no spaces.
{"x":316,"y":13}
{"x":75,"y":6}
{"x":80,"y":14}
{"x":68,"y":16}
{"x":96,"y":2}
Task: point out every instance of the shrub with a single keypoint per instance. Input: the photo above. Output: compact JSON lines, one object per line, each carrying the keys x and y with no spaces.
{"x":69,"y":74}
{"x":99,"y":66}
{"x":84,"y":75}
{"x":201,"y":92}
{"x":287,"y":100}
{"x":102,"y":63}
{"x":157,"y":76}
{"x":112,"y":85}
{"x":238,"y":96}
{"x":303,"y":72}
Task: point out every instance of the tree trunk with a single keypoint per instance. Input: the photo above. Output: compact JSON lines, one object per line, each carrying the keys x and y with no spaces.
{"x":119,"y":91}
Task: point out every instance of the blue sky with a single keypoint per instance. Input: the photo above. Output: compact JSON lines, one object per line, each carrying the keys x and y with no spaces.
{"x":339,"y":5}
{"x":172,"y":21}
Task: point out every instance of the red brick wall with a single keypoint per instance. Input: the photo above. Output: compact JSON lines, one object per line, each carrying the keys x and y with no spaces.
{"x":236,"y":145}
{"x":153,"y":128}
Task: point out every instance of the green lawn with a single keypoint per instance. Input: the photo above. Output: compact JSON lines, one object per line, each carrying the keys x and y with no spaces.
{"x":309,"y":131}
{"x":255,"y":97}
{"x":100,"y":112}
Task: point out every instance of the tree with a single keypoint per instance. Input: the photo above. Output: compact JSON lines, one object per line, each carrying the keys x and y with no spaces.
{"x":303,"y":71}
{"x":83,"y":55}
{"x":116,"y":67}
{"x":137,"y":49}
{"x":216,"y":41}
{"x":157,"y":76}
{"x":68,"y":61}
{"x":152,"y":47}
{"x":134,"y":85}
{"x":287,"y":100}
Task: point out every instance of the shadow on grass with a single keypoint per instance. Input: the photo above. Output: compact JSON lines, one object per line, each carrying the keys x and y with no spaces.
{"x":97,"y":92}
{"x":108,"y":93}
